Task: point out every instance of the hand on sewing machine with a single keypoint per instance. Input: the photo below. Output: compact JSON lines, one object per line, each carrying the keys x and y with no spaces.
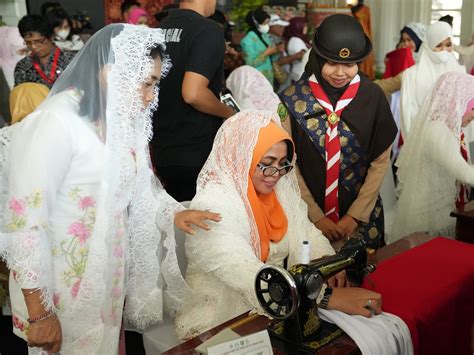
{"x":339,"y":280}
{"x":356,"y":301}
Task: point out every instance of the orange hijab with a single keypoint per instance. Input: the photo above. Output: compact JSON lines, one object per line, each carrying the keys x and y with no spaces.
{"x":269,"y":215}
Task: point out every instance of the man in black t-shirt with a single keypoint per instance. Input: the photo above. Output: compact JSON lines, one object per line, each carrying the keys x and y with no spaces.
{"x":190,"y":112}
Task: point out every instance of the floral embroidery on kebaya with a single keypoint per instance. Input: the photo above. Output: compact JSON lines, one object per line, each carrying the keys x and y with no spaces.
{"x":116,"y":292}
{"x":18,"y":208}
{"x":20,"y":325}
{"x":75,"y":249}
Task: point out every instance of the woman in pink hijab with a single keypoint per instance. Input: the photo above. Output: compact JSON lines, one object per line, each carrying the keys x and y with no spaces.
{"x":138,"y":16}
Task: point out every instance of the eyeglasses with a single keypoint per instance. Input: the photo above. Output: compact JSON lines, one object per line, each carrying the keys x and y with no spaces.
{"x":35,"y":42}
{"x":272,"y":170}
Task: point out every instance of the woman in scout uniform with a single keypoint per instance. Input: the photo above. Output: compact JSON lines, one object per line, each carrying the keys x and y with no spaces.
{"x":343,"y":130}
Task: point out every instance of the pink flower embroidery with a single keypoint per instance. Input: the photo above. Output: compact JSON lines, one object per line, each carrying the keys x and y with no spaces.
{"x":86,"y":202}
{"x":118,"y":251}
{"x":75,"y":288}
{"x":17,"y":206}
{"x":80,"y":231}
{"x":17,"y":323}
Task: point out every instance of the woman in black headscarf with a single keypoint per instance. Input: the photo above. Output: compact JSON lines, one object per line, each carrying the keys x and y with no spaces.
{"x":343,"y":130}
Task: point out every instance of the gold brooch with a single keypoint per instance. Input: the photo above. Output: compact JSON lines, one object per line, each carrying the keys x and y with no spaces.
{"x":344,"y":53}
{"x":333,"y":118}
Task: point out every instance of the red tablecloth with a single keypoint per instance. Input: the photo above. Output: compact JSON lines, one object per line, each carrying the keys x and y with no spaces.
{"x":431,"y":287}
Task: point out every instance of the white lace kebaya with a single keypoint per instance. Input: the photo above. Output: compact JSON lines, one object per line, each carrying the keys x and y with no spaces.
{"x":86,"y":220}
{"x":223,"y":262}
{"x":430,"y":161}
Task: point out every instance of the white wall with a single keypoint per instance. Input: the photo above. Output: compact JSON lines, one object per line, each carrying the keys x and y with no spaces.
{"x":12,"y":11}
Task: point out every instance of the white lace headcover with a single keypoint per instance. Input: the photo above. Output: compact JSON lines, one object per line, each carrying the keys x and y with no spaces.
{"x":252,"y":90}
{"x":229,"y":162}
{"x":446,"y":104}
{"x":427,"y":69}
{"x":109,"y":72}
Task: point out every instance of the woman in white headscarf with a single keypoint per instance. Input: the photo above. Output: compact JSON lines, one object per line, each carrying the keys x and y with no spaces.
{"x":86,"y":223}
{"x":432,"y":166}
{"x":436,"y":58}
{"x":248,"y":178}
{"x":252,"y":90}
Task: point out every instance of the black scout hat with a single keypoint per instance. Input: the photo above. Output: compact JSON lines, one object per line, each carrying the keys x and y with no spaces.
{"x":341,"y":39}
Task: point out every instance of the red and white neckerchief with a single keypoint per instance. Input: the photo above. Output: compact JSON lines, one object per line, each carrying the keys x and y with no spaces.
{"x":332,"y":143}
{"x":52,"y":74}
{"x":463,"y":192}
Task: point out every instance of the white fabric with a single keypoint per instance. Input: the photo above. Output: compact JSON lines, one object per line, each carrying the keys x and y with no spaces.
{"x":86,"y":217}
{"x":295,"y":45}
{"x":395,"y":108}
{"x":382,"y":334}
{"x":223,"y":262}
{"x":430,"y":161}
{"x":276,"y":20}
{"x":418,"y":28}
{"x":161,"y":337}
{"x":10,"y":44}
{"x":418,"y":80}
{"x":74,"y":44}
{"x":252,"y":90}
{"x":467,"y":56}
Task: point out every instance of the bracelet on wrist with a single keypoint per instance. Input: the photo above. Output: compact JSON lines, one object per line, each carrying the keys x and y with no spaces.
{"x":41,"y":317}
{"x":35,"y":290}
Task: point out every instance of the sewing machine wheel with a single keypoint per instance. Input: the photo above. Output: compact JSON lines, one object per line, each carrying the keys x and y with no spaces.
{"x":276,"y":291}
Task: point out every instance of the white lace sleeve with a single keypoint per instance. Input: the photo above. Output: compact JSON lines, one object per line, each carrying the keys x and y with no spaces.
{"x":40,"y":153}
{"x":225,"y":250}
{"x":448,"y":154}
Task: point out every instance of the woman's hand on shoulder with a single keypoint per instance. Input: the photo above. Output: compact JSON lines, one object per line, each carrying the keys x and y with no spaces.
{"x":330,"y":229}
{"x":186,"y":219}
{"x":356,"y":301}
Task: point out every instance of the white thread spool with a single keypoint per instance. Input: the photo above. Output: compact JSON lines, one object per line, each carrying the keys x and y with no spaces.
{"x":305,"y":253}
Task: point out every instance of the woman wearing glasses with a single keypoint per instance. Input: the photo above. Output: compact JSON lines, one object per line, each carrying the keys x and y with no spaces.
{"x":45,"y":62}
{"x":249,"y":179}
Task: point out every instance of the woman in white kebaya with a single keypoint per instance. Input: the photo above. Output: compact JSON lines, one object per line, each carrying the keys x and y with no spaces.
{"x":85,"y":223}
{"x":433,"y":170}
{"x":435,"y":58}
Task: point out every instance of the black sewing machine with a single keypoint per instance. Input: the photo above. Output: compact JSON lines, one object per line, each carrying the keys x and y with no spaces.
{"x":289,"y":297}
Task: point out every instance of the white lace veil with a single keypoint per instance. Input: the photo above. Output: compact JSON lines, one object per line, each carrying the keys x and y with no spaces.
{"x":418,"y":175}
{"x":252,"y":90}
{"x":107,"y":74}
{"x":229,"y":163}
{"x":446,"y":104}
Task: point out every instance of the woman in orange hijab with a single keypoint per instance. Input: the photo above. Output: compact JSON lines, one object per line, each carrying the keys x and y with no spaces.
{"x":248,"y":179}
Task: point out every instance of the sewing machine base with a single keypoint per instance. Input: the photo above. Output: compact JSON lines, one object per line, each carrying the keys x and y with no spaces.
{"x":328,"y":333}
